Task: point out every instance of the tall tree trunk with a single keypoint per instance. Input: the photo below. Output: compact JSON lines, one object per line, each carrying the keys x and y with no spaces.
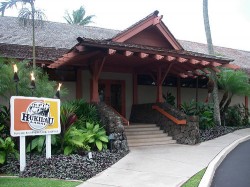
{"x":217,"y":118}
{"x":33,"y":35}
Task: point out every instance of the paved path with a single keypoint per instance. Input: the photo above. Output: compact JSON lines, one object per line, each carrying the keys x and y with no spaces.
{"x":235,"y":168}
{"x":167,"y":166}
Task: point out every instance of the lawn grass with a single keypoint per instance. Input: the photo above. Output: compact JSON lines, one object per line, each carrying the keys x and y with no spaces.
{"x":195,"y":180}
{"x":35,"y":182}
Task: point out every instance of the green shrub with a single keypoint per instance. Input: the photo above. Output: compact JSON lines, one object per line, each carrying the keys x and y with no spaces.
{"x":97,"y":136}
{"x":170,"y":99}
{"x":7,"y":146}
{"x":236,"y":115}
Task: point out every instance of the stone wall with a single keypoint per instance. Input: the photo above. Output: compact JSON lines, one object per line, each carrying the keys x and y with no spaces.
{"x":114,"y":127}
{"x":183,"y":134}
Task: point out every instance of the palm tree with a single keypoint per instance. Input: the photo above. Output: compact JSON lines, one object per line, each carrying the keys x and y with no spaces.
{"x":27,"y":16}
{"x":233,"y":83}
{"x":217,"y":118}
{"x":77,"y":17}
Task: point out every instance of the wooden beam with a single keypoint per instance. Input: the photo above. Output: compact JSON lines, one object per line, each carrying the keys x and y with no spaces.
{"x":143,"y":55}
{"x":158,"y":57}
{"x":170,"y":58}
{"x":194,"y":61}
{"x":69,"y":55}
{"x":111,"y":51}
{"x":216,"y":64}
{"x":166,"y":73}
{"x":80,"y":48}
{"x":100,"y":67}
{"x":128,"y":53}
{"x":231,"y":66}
{"x":204,"y":63}
{"x":182,"y":60}
{"x":197,"y":72}
{"x":159,"y":98}
{"x":183,"y":75}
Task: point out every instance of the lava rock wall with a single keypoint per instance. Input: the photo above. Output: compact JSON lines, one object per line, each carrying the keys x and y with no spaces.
{"x":114,"y":126}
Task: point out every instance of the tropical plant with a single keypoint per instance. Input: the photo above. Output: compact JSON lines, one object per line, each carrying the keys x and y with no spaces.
{"x":75,"y":139}
{"x":85,"y":111}
{"x":233,"y":83}
{"x":67,"y":119}
{"x":5,"y":121}
{"x":170,"y":99}
{"x":97,"y":136}
{"x":236,"y":115}
{"x":189,"y":108}
{"x":78,"y":17}
{"x":216,"y":115}
{"x":28,"y":16}
{"x":7,"y":146}
{"x":44,"y":87}
{"x":38,"y":143}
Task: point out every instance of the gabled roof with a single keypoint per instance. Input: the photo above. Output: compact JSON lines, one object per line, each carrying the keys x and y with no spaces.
{"x":55,"y":39}
{"x":149,"y":21}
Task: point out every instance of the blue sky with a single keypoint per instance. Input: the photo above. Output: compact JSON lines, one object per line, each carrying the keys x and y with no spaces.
{"x":229,"y":19}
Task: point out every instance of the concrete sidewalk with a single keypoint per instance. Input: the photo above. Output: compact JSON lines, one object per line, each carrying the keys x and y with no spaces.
{"x":168,"y":165}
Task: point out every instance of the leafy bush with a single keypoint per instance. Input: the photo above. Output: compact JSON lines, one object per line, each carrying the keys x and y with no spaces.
{"x":97,"y":136}
{"x":236,"y":115}
{"x":203,"y":110}
{"x":7,"y":146}
{"x":170,"y":99}
{"x":87,"y":112}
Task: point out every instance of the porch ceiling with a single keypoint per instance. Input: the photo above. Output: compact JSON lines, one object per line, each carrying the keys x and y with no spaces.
{"x":128,"y":58}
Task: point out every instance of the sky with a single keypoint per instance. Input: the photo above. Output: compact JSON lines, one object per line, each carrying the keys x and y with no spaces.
{"x":229,"y":19}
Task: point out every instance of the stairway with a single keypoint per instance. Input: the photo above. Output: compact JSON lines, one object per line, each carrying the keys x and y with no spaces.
{"x":146,"y":135}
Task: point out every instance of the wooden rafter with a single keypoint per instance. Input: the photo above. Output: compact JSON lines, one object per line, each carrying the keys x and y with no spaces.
{"x":231,"y":66}
{"x":182,"y":60}
{"x":216,"y":64}
{"x":170,"y":58}
{"x":194,"y":61}
{"x":158,"y":57}
{"x":143,"y":55}
{"x":128,"y":53}
{"x":111,"y":51}
{"x":204,"y":63}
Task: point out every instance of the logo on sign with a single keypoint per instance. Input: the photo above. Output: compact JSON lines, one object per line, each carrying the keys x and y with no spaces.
{"x":37,"y":115}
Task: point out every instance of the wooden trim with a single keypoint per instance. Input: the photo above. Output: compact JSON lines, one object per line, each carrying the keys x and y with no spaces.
{"x":78,"y":84}
{"x":170,"y":58}
{"x":169,"y":116}
{"x":111,"y":51}
{"x":128,"y":53}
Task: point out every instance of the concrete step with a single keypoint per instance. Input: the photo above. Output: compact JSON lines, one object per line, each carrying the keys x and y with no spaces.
{"x":142,"y":140}
{"x":142,"y":136}
{"x":143,"y":132}
{"x":131,"y":126}
{"x":142,"y":129}
{"x":146,"y":135}
{"x":151,"y":143}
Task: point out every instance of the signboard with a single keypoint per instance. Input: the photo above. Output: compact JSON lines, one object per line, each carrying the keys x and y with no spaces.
{"x":34,"y":116}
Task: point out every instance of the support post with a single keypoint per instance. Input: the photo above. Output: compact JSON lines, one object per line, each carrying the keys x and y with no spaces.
{"x":159,"y":98}
{"x":22,"y":153}
{"x":197,"y":91}
{"x":79,"y":84}
{"x":178,"y":92}
{"x":48,"y":146}
{"x":96,"y":71}
{"x":135,"y":89}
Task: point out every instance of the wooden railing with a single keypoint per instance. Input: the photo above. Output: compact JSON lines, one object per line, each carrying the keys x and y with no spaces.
{"x":169,"y":116}
{"x":125,"y":121}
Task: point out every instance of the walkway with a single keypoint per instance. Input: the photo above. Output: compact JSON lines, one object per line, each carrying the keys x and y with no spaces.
{"x":235,"y":168}
{"x":167,"y":166}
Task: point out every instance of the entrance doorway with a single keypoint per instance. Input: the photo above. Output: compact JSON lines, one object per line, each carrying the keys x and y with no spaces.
{"x":112,"y":92}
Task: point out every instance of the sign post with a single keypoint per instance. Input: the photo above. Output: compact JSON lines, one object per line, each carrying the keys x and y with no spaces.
{"x":32,"y":116}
